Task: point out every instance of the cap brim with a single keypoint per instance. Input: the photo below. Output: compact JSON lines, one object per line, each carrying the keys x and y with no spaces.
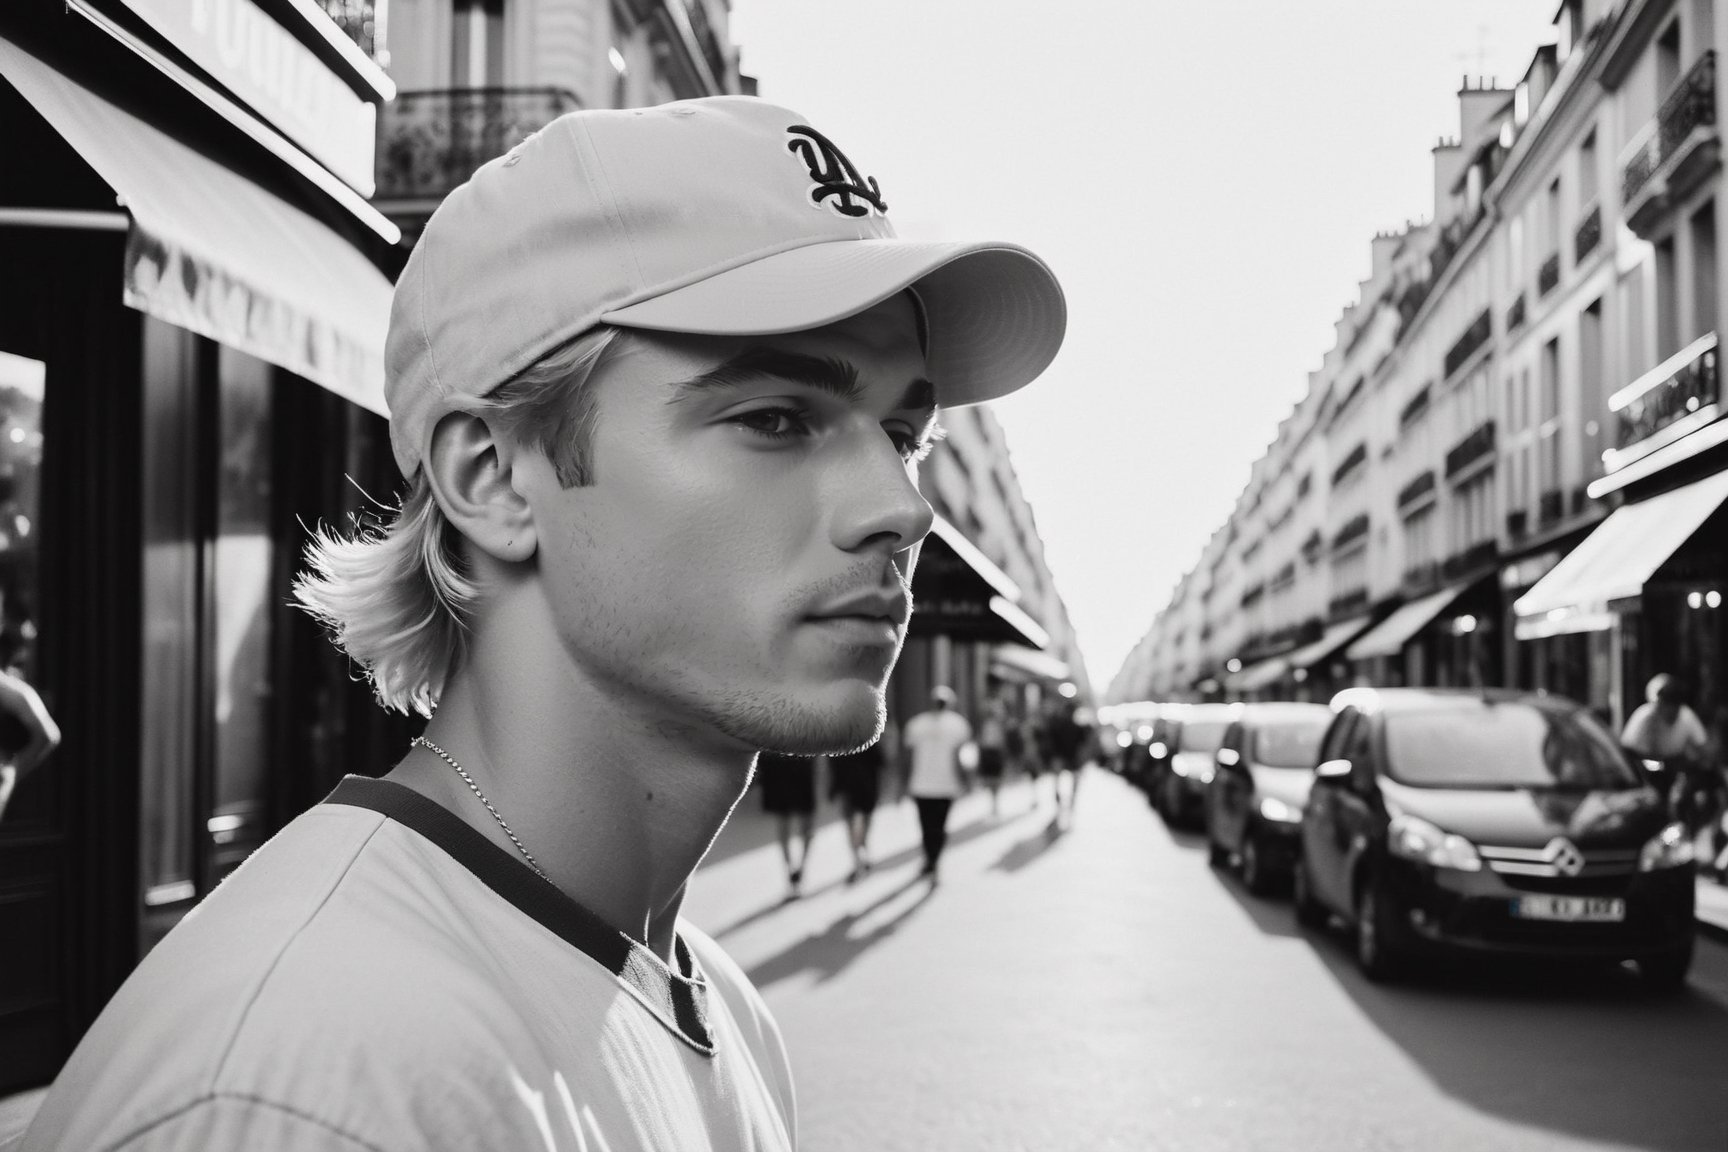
{"x":996,"y":313}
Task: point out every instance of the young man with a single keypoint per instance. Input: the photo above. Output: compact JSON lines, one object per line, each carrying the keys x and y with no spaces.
{"x":659,"y":380}
{"x":935,"y":777}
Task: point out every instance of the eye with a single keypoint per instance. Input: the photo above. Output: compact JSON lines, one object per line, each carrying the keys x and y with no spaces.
{"x":777,"y":423}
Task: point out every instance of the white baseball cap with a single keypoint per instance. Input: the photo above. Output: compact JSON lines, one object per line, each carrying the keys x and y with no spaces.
{"x":722,"y":216}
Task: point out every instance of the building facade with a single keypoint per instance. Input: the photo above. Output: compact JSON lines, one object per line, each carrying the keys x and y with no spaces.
{"x":1509,"y":468}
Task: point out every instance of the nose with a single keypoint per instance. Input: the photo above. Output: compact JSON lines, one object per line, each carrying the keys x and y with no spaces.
{"x":877,"y":503}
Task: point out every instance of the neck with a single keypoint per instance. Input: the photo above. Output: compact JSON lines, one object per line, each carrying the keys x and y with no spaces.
{"x":616,"y":805}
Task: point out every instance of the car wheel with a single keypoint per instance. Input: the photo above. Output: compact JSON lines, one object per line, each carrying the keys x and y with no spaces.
{"x":1172,"y":807}
{"x":1666,"y":971}
{"x":1216,"y":854}
{"x":1309,"y":912}
{"x":1377,"y":949}
{"x":1254,"y":876}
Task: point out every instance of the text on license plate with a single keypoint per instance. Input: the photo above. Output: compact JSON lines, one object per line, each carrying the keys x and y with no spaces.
{"x":1581,"y":909}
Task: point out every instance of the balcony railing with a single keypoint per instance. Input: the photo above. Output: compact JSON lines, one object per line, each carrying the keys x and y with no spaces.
{"x":1685,"y":387}
{"x":1589,"y":234}
{"x":1515,"y":314}
{"x":1352,"y":464}
{"x":1472,"y":448}
{"x":1550,"y":507}
{"x":1416,"y":489}
{"x":1421,"y":577}
{"x":1353,"y":530}
{"x":1347,"y":603}
{"x":431,"y":141}
{"x":360,"y":20}
{"x":1466,"y":345}
{"x":1475,"y":557}
{"x":1548,"y":276}
{"x":1690,"y":104}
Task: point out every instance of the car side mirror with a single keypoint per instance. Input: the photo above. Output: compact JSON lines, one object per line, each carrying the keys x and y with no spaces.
{"x":1335,"y":771}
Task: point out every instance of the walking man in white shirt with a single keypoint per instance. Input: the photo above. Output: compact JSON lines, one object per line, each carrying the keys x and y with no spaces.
{"x":659,"y":381}
{"x":936,"y":777}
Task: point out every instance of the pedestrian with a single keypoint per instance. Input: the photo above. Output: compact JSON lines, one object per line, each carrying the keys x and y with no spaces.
{"x":1033,"y":735}
{"x":27,"y":733}
{"x":992,"y":751}
{"x":1068,"y":741}
{"x":789,"y":792}
{"x":936,"y":776}
{"x":855,"y":780}
{"x":1666,"y":732}
{"x":659,"y":380}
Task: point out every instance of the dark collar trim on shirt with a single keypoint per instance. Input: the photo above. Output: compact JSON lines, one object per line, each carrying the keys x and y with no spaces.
{"x":683,"y":991}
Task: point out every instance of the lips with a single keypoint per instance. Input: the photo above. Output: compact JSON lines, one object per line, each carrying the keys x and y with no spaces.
{"x":872,"y":606}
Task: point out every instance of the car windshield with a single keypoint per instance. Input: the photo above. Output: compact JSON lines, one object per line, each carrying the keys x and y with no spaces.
{"x":1290,"y":743}
{"x":1203,"y":735}
{"x":1492,"y":745}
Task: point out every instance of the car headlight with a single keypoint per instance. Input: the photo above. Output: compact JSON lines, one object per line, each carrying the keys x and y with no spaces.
{"x":1274,"y":809}
{"x":1416,"y":839}
{"x":1123,"y":739}
{"x":1669,"y":848}
{"x":1158,"y":750}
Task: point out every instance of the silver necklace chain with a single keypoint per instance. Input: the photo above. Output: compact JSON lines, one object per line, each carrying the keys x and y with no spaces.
{"x":475,"y":788}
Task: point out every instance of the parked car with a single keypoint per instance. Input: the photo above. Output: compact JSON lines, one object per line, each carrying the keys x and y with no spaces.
{"x":1182,"y":784}
{"x":1165,"y":728}
{"x":1259,"y":787}
{"x":1491,"y":822}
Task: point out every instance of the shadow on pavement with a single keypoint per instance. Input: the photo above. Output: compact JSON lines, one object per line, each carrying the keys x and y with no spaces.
{"x":979,"y":826}
{"x":1030,"y":848}
{"x":1584,"y":1051}
{"x":1271,"y":914}
{"x":828,"y":953}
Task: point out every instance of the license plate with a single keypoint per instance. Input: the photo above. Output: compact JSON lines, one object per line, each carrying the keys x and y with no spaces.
{"x":1575,"y":909}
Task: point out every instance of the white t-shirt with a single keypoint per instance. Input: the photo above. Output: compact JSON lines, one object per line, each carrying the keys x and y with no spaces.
{"x":1647,"y":735}
{"x":381,"y":977}
{"x":935,"y":739}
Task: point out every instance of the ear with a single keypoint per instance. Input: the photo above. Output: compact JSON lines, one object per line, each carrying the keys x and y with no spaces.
{"x":475,"y":474}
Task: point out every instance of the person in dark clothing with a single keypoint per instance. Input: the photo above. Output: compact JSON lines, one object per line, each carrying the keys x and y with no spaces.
{"x":855,"y":780}
{"x":789,"y":792}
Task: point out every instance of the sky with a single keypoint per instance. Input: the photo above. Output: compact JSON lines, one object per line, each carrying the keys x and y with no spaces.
{"x":1204,"y":178}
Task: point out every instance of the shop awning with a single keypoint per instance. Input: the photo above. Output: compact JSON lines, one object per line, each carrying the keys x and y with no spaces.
{"x":1023,"y":661}
{"x":1336,"y":636}
{"x":215,"y":253}
{"x":1388,"y":637}
{"x":1262,"y":674}
{"x":1617,"y":559}
{"x":957,"y":591}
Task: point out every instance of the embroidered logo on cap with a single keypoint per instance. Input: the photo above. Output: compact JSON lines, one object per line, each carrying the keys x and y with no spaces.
{"x":838,"y":185}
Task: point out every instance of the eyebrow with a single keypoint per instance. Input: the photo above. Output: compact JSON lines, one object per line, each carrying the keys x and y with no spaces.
{"x":829,"y":374}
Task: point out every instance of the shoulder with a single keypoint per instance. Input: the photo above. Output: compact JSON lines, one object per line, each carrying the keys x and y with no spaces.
{"x":219,"y":1121}
{"x":749,"y":1012}
{"x":294,"y":998}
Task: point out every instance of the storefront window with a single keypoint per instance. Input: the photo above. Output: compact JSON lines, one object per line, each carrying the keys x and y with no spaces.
{"x":242,"y":557}
{"x":21,"y":389}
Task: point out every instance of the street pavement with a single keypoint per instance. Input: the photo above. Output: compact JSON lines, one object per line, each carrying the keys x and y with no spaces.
{"x":1097,"y":986}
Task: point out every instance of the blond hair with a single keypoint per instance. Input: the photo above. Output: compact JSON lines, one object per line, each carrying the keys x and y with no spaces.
{"x":398,"y":598}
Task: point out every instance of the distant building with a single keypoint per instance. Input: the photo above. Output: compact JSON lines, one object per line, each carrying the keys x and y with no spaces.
{"x":1510,"y":467}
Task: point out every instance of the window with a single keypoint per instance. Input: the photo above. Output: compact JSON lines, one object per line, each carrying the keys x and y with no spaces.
{"x":1667,"y":306}
{"x":1667,"y":59}
{"x":1587,"y":176}
{"x":477,"y":44}
{"x":1590,"y":390}
{"x":1703,"y":225}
